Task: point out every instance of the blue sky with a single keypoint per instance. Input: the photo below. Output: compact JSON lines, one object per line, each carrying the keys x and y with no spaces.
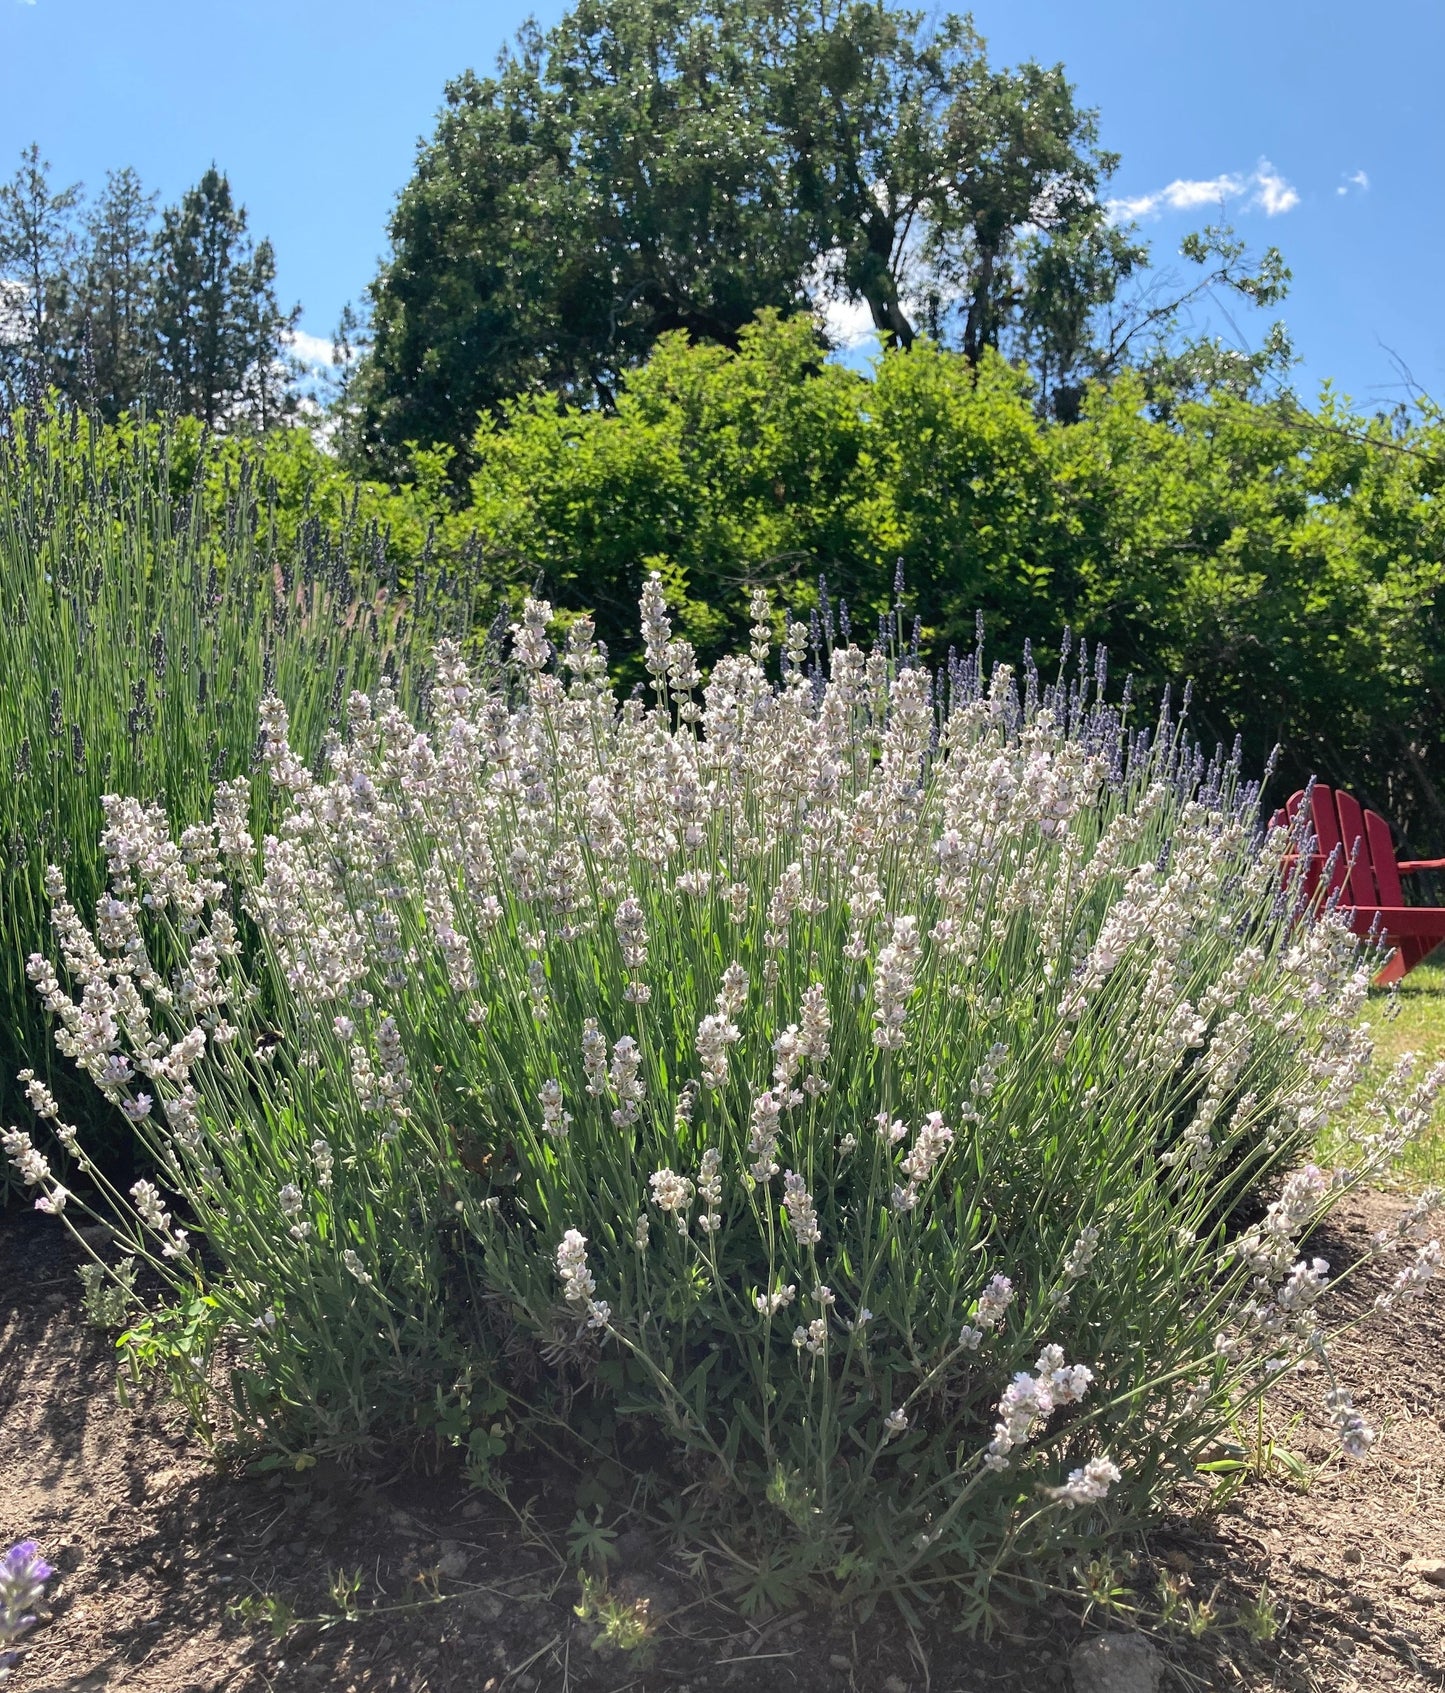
{"x":1320,"y":125}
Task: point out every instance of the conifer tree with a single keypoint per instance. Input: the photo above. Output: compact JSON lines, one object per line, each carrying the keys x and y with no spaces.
{"x":219,"y":330}
{"x":37,"y":252}
{"x":113,"y":311}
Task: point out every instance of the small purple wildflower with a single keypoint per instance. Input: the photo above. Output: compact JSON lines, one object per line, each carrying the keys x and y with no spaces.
{"x":23,"y":1575}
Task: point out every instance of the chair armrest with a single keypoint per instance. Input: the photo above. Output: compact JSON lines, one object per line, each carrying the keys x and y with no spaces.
{"x":1420,"y":864}
{"x":1423,"y":922}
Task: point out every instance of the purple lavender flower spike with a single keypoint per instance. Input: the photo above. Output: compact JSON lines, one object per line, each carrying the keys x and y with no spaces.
{"x":23,"y":1574}
{"x":24,"y":1561}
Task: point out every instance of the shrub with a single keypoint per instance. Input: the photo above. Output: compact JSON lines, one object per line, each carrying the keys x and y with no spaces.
{"x":145,"y":608}
{"x":1286,"y":560}
{"x":864,"y":1105}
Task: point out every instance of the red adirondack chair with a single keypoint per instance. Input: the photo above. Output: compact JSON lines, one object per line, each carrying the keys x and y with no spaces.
{"x":1366,"y":874}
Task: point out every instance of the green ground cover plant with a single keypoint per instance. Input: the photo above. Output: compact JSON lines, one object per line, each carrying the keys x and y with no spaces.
{"x":149,"y":598}
{"x":858,"y":1110}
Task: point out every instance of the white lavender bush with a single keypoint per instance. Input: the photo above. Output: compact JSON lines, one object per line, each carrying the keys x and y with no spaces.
{"x":869,"y":1106}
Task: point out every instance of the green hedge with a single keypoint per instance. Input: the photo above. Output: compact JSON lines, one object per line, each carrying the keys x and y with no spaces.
{"x":1288,"y":562}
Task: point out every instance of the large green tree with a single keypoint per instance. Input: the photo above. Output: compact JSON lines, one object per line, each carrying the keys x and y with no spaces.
{"x":647,"y":166}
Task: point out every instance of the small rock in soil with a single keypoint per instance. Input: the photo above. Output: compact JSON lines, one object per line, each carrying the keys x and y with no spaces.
{"x":1115,"y":1663}
{"x":161,"y":1482}
{"x":1428,"y":1569}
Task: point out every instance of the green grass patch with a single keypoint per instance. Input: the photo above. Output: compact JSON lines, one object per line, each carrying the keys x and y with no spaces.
{"x":1417,"y":1025}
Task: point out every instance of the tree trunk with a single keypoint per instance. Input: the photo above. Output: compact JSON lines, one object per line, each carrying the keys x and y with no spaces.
{"x":888,"y":315}
{"x":975,"y":329}
{"x":879,"y":288}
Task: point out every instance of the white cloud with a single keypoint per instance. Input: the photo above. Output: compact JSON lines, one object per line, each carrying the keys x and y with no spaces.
{"x":1274,"y":194}
{"x":1355,"y":179}
{"x":849,"y":323}
{"x":310,"y":349}
{"x":1266,"y":189}
{"x":1181,"y":195}
{"x":1184,"y":196}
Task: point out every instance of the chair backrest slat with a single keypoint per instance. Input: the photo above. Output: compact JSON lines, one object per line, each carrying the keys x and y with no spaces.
{"x":1366,"y":875}
{"x":1360,"y":889}
{"x":1286,"y":814}
{"x":1326,"y":826}
{"x":1285,"y":818}
{"x":1382,"y":855}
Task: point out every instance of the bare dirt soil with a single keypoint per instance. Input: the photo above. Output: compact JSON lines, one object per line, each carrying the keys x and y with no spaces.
{"x":1313,"y":1578}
